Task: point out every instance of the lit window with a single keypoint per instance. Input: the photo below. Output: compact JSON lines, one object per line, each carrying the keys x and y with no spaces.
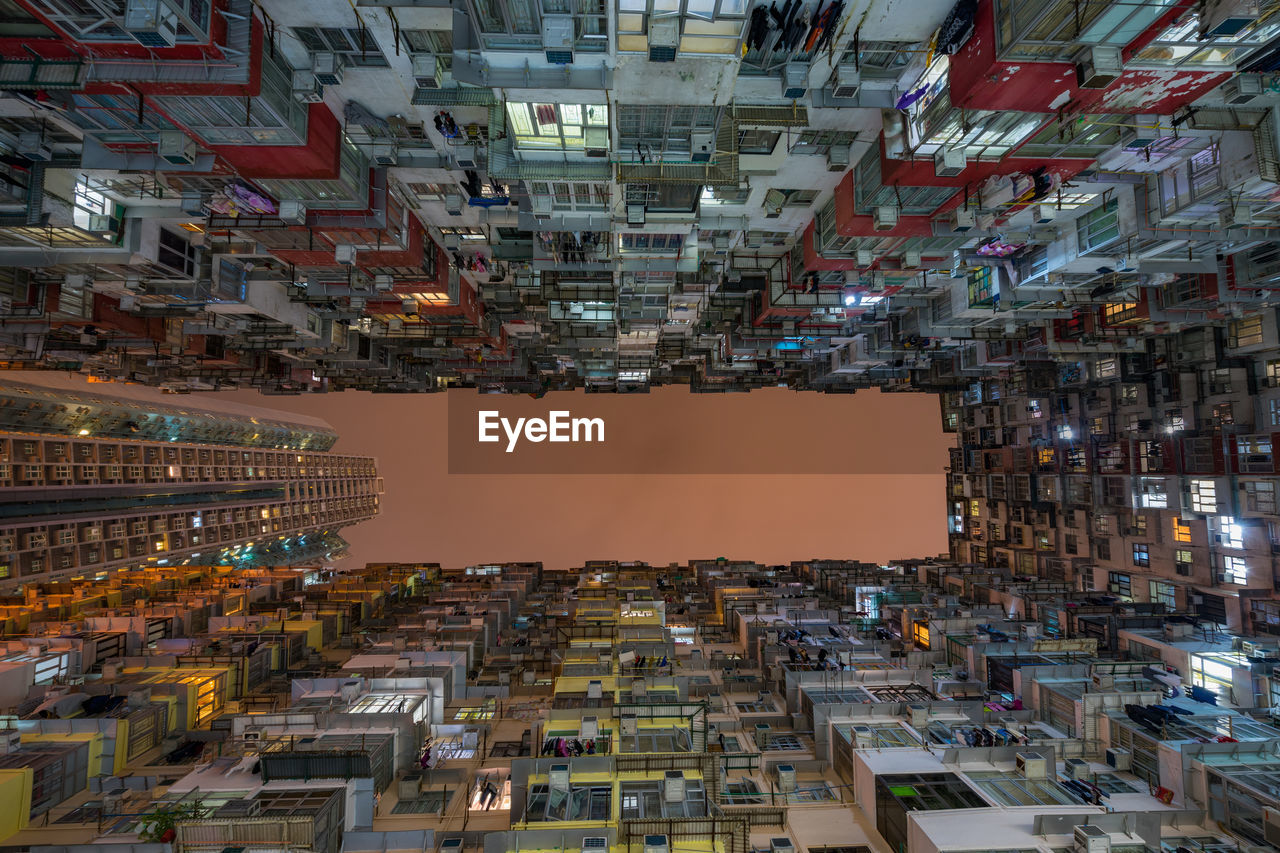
{"x":554,"y":126}
{"x":1181,"y":530}
{"x":1234,"y":570}
{"x":1142,"y":556}
{"x":1204,"y":496}
{"x":1230,"y":533}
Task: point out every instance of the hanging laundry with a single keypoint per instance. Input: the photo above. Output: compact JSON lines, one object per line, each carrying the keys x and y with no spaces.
{"x":759,"y":28}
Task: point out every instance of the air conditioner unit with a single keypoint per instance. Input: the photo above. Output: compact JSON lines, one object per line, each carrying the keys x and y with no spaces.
{"x":451,"y":845}
{"x":1240,"y":216}
{"x":541,"y":205}
{"x":912,"y":259}
{"x":426,"y":71}
{"x":102,"y":223}
{"x":345,"y":253}
{"x":382,"y":154}
{"x":326,"y":67}
{"x":595,"y":844}
{"x":465,"y":156}
{"x":884,"y":217}
{"x":1119,"y":759}
{"x":837,"y":158}
{"x":781,"y":844}
{"x":763,"y":733}
{"x":1242,"y":89}
{"x":948,"y":162}
{"x":795,"y":80}
{"x":962,"y":220}
{"x":786,"y":778}
{"x":1077,"y":768}
{"x":1091,"y":839}
{"x":596,"y":141}
{"x":252,"y":734}
{"x":702,"y":146}
{"x":192,"y":202}
{"x":1032,"y":765}
{"x":635,"y":214}
{"x":595,"y":689}
{"x":306,"y":88}
{"x":664,"y":38}
{"x":34,"y":148}
{"x":589,"y":728}
{"x":846,"y":81}
{"x":656,"y":844}
{"x":151,"y":22}
{"x":558,"y":777}
{"x":410,"y":786}
{"x":918,"y":714}
{"x":176,"y":148}
{"x":864,"y":258}
{"x":383,"y":283}
{"x":627,"y":725}
{"x":293,"y":212}
{"x":453,"y":204}
{"x":673,"y":786}
{"x":1100,"y":66}
{"x":557,"y":38}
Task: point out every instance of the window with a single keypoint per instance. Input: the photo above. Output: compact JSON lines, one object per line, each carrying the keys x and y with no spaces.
{"x":1098,"y":227}
{"x":1129,"y":394}
{"x":758,"y":141}
{"x":436,"y":42}
{"x":1273,"y":410}
{"x":1102,"y":525}
{"x":1103,"y":548}
{"x":1234,"y":570}
{"x":1118,"y":313}
{"x":1181,"y":530}
{"x":821,"y":141}
{"x":1182,"y":562}
{"x":725,"y":195}
{"x":357,"y":46}
{"x":554,"y":126}
{"x":1259,"y":496}
{"x":1119,"y":583}
{"x":176,"y":253}
{"x":1155,"y":493}
{"x":1230,"y":533}
{"x":1069,"y":543}
{"x":1176,"y":420}
{"x":1163,"y":593}
{"x":1142,"y":556}
{"x":1246,"y":332}
{"x":1204,"y":496}
{"x":1223,"y":415}
{"x":707,"y":26}
{"x":517,"y":24}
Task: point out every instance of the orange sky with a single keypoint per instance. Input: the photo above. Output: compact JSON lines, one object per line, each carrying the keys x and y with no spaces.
{"x":430,"y":515}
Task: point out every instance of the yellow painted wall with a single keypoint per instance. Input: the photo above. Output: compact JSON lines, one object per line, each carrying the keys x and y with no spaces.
{"x":94,"y":739}
{"x":15,"y":800}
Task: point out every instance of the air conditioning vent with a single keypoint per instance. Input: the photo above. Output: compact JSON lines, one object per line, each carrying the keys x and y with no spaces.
{"x":541,"y":205}
{"x":426,"y":71}
{"x":465,"y":156}
{"x":702,"y":146}
{"x":306,"y":88}
{"x":1032,"y":765}
{"x":1077,"y":768}
{"x":962,"y":220}
{"x":656,"y":844}
{"x":1119,"y":759}
{"x":557,"y":38}
{"x":595,"y":844}
{"x":1091,"y":839}
{"x":948,"y":162}
{"x":33,"y":147}
{"x":795,"y":80}
{"x":382,"y":154}
{"x":664,"y":39}
{"x":151,"y":23}
{"x":786,"y":778}
{"x":673,"y":786}
{"x":846,"y":82}
{"x":885,"y":218}
{"x":176,"y":148}
{"x":635,"y":214}
{"x":837,"y":158}
{"x":1242,"y":89}
{"x":327,"y":68}
{"x":1100,"y":66}
{"x":596,"y":141}
{"x":293,"y":212}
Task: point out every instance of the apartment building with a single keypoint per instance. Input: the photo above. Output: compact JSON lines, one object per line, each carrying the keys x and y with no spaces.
{"x":956,"y":710}
{"x":94,"y":482}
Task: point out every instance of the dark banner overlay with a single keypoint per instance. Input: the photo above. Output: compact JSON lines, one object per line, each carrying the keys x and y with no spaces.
{"x":675,"y":432}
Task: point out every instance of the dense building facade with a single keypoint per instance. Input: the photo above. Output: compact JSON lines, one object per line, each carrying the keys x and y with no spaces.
{"x":93,"y":483}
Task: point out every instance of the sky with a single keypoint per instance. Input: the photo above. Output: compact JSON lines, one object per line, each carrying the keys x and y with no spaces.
{"x":431,"y":515}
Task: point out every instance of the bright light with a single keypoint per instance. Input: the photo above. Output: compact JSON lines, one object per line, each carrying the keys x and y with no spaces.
{"x":850,"y":299}
{"x":84,"y":432}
